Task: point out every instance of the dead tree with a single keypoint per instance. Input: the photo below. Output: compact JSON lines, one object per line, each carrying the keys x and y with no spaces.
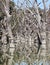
{"x":7,"y":30}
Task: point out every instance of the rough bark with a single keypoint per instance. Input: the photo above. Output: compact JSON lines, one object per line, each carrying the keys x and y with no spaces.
{"x":42,"y":34}
{"x":7,"y":31}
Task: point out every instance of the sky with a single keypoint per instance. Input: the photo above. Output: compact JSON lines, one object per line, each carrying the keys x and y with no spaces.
{"x":30,"y":4}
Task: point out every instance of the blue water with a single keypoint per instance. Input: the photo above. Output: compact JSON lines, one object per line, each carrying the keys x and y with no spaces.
{"x":35,"y":63}
{"x":23,"y":63}
{"x":16,"y":63}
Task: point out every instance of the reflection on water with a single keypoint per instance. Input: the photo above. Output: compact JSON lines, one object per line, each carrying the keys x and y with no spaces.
{"x":16,"y":63}
{"x":35,"y":63}
{"x":23,"y":63}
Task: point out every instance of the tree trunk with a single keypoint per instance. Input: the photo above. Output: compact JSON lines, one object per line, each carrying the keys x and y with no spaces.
{"x":42,"y":34}
{"x":12,"y":47}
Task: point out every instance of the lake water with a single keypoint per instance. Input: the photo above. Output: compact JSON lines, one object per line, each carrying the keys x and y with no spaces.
{"x":35,"y":63}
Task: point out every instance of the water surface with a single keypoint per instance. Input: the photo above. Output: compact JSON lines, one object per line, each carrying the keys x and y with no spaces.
{"x":35,"y":63}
